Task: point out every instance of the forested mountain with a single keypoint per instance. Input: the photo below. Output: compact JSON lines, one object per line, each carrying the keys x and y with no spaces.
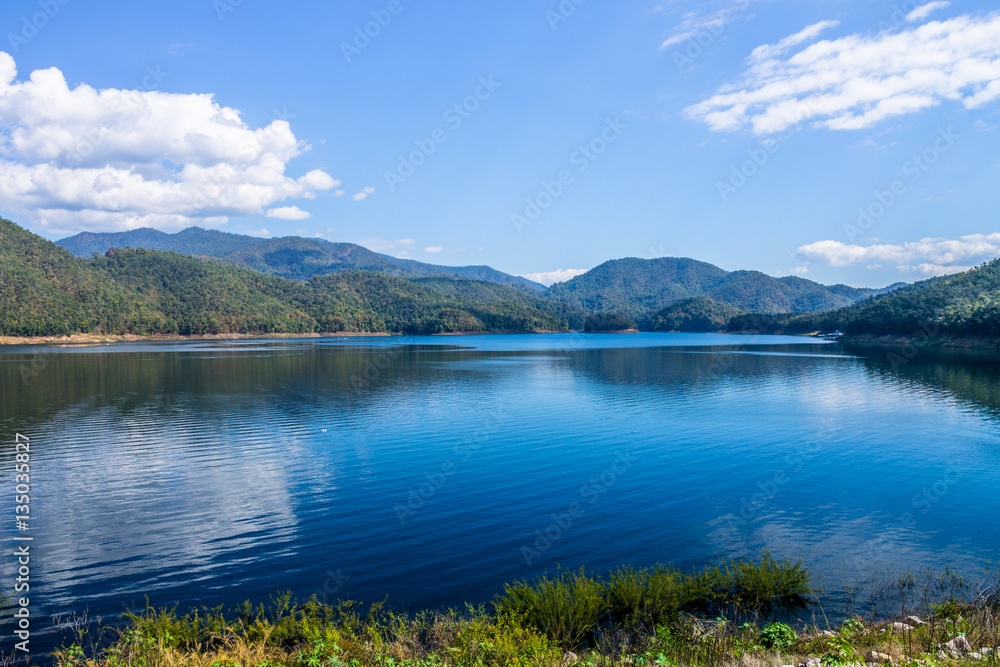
{"x":44,"y":290}
{"x":964,"y":304}
{"x":635,"y":287}
{"x":191,"y":241}
{"x":291,"y":257}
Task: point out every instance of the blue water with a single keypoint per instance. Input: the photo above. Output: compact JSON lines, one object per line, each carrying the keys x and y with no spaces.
{"x":434,"y":470}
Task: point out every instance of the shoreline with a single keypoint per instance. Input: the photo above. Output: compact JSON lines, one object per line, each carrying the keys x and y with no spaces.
{"x":920,"y":340}
{"x":98,"y":339}
{"x":940,"y":342}
{"x":94,"y":339}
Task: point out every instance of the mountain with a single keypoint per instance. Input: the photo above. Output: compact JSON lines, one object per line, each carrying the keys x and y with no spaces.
{"x":963,"y":304}
{"x":292,"y":257}
{"x":635,"y":287}
{"x":45,"y":290}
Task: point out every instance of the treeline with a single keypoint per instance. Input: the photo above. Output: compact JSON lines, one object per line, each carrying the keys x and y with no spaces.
{"x":45,"y":291}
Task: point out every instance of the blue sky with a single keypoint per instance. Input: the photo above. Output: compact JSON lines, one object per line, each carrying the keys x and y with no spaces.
{"x":846,"y":141}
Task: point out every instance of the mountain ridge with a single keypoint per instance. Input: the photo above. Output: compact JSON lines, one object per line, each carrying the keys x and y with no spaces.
{"x":47,"y":291}
{"x":634,"y":287}
{"x":293,"y":257}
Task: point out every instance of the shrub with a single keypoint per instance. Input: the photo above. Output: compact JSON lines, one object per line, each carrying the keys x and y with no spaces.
{"x":778,"y":636}
{"x":566,"y":607}
{"x":570,"y":607}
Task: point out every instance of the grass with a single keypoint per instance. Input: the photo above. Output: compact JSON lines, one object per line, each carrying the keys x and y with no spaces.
{"x":724,"y":616}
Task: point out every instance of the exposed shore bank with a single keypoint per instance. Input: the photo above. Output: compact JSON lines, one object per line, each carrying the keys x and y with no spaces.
{"x":94,"y":339}
{"x":98,"y":339}
{"x":920,"y":341}
{"x":943,"y":342}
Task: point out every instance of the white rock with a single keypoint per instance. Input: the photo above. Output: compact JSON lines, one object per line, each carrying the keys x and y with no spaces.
{"x":959,"y":645}
{"x":914,"y":620}
{"x":901,"y":627}
{"x":876,"y":658}
{"x":814,"y":662}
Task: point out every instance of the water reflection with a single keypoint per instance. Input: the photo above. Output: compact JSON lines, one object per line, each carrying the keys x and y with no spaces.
{"x":422,"y":468}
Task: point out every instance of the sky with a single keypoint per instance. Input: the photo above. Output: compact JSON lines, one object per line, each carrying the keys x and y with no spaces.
{"x":845,"y":141}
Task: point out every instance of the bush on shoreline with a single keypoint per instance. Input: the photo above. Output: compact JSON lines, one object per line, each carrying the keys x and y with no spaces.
{"x":721,"y":616}
{"x":572,"y":607}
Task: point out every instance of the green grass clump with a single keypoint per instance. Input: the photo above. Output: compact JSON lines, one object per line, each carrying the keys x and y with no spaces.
{"x":572,"y":606}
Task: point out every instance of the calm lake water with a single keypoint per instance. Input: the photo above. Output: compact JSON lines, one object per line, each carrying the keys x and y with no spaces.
{"x":433,"y":470}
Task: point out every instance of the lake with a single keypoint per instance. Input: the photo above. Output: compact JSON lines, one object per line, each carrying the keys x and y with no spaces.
{"x":433,"y":470}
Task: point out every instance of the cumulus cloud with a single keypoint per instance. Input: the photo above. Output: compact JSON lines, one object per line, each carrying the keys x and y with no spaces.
{"x":434,"y":249}
{"x":81,"y":158}
{"x":553,"y":277}
{"x":930,"y":257}
{"x":288,"y":213}
{"x":263,"y":233}
{"x":931,"y":270}
{"x":854,"y":82}
{"x":363,"y":195}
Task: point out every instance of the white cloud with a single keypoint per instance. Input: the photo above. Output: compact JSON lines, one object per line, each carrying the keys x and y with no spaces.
{"x":81,"y":158}
{"x":553,"y":277}
{"x":263,"y":233}
{"x":856,"y":81}
{"x":932,"y":256}
{"x":434,"y":249}
{"x":923,"y":11}
{"x":695,"y":24}
{"x":767,"y":51}
{"x":394,"y":247}
{"x":288,"y":213}
{"x":931,"y":270}
{"x":678,"y":38}
{"x":363,"y":195}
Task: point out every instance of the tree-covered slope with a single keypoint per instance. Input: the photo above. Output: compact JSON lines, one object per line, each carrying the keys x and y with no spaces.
{"x":695,"y":315}
{"x":635,"y":287}
{"x":964,"y":304}
{"x":291,"y":257}
{"x":44,"y":290}
{"x":477,"y":291}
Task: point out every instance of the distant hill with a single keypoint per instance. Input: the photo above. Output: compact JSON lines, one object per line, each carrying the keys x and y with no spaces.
{"x":45,"y":291}
{"x":960,"y":305}
{"x":636,"y":287}
{"x":292,"y":257}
